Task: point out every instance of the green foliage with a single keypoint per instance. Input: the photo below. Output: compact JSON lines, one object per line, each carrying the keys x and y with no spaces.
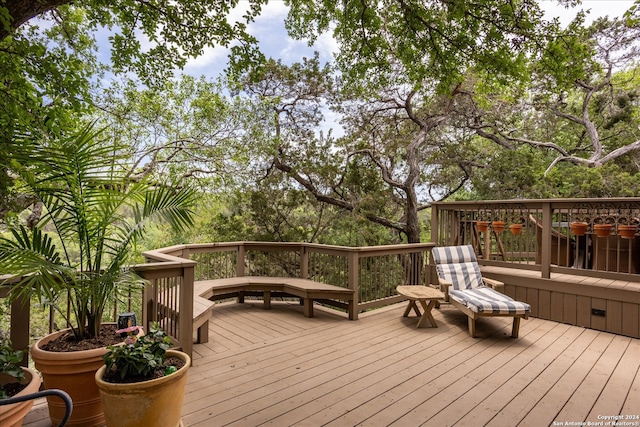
{"x":46,"y":78}
{"x":90,"y":204}
{"x":10,"y":361}
{"x":436,"y":42}
{"x":510,"y":174}
{"x":632,"y":16}
{"x":138,"y":356}
{"x":50,"y":69}
{"x":521,"y":174}
{"x":567,"y":57}
{"x":186,"y":128}
{"x":276,"y":212}
{"x":609,"y":180}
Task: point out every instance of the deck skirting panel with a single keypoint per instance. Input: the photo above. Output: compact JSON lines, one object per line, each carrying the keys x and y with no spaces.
{"x":601,"y":304}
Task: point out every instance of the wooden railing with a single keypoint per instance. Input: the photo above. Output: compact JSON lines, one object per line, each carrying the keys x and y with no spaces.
{"x":546,"y":242}
{"x":372,"y":272}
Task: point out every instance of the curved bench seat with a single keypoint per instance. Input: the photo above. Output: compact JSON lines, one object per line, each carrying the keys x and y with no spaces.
{"x":308,"y":290}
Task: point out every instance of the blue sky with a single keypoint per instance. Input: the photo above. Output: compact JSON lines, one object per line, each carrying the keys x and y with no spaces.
{"x":275,"y":42}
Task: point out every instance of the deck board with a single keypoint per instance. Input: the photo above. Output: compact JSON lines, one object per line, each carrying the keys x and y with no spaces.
{"x":278,"y":368}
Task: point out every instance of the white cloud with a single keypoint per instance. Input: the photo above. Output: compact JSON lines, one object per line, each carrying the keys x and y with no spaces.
{"x":268,"y":28}
{"x":211,"y":63}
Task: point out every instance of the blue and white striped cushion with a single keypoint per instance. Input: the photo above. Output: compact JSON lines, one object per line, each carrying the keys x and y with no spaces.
{"x":458,"y":264}
{"x":489,"y":301}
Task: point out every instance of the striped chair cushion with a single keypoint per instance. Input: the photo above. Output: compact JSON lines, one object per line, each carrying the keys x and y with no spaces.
{"x":458,"y":264}
{"x":489,"y":301}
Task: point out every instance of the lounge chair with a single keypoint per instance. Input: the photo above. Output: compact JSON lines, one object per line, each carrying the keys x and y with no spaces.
{"x":466,"y":289}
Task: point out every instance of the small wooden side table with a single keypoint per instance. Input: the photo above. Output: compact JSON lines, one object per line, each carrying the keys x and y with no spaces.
{"x":422,"y":294}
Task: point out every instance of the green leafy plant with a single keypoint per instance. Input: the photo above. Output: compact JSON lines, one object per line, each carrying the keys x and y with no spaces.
{"x":139,"y":357}
{"x":94,"y":211}
{"x":10,"y":360}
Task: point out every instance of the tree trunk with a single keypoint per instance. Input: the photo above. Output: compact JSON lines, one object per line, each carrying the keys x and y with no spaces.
{"x":21,"y":11}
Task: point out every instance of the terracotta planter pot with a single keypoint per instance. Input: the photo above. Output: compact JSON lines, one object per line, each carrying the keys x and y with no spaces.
{"x":482,"y":225}
{"x":579,"y":228}
{"x":602,"y":230}
{"x":73,"y":372}
{"x":12,"y":415}
{"x":627,"y":231}
{"x":516,"y":229}
{"x":498,"y":226}
{"x":155,"y":402}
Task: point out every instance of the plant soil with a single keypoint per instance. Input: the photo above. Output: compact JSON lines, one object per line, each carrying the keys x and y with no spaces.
{"x":13,"y":388}
{"x":67,"y":342}
{"x":114,"y":377}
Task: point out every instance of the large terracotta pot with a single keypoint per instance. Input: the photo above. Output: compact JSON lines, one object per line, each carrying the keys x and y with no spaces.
{"x":155,"y":402}
{"x":74,"y":373}
{"x":12,"y":415}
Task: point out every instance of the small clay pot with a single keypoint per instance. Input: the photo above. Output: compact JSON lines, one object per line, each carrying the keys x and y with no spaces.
{"x":627,"y":231}
{"x":516,"y":229}
{"x":579,"y":228}
{"x":482,"y":225}
{"x":602,"y":230}
{"x":498,"y":226}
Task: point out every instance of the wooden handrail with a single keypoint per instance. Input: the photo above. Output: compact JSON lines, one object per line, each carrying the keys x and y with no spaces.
{"x":453,"y":223}
{"x":172,"y":262}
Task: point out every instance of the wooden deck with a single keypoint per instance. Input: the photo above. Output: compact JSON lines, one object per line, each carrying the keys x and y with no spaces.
{"x":280,"y":368}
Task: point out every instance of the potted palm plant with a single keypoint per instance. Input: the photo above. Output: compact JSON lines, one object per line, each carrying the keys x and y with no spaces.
{"x":78,"y":254}
{"x":142,"y":382}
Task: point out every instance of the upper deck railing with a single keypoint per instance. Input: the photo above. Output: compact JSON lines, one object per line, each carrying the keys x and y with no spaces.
{"x":542,"y":234}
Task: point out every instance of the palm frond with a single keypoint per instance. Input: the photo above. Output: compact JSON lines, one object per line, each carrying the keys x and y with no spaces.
{"x":82,"y":182}
{"x":33,"y":256}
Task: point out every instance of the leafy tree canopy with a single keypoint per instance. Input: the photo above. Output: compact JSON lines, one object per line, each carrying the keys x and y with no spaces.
{"x":436,"y":41}
{"x":50,"y":70}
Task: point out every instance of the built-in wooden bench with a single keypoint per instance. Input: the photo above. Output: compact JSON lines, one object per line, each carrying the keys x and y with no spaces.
{"x":307,"y":290}
{"x":201,"y":313}
{"x":207,"y":292}
{"x":597,"y":303}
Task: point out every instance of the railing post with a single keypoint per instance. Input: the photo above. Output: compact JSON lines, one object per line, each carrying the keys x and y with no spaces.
{"x":240,"y":261}
{"x":19,"y":336}
{"x":353,"y":283}
{"x":149,"y":303}
{"x":428,"y":267}
{"x":434,"y":223}
{"x":186,"y":310}
{"x":148,"y":293}
{"x":304,"y":262}
{"x":545,"y":250}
